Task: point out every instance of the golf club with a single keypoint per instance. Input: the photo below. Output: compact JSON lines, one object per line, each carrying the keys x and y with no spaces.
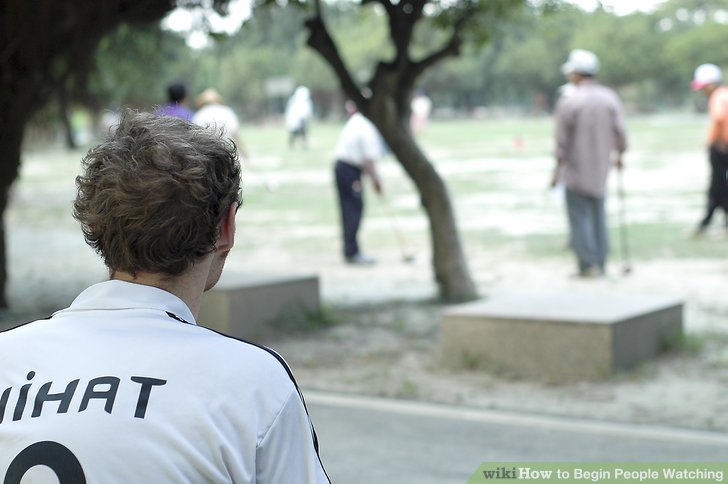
{"x":624,"y":242}
{"x":408,"y":256}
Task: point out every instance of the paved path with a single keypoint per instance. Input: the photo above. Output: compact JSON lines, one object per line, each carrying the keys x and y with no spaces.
{"x":370,"y":440}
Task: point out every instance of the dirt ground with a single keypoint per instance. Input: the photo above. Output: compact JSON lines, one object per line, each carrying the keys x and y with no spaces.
{"x":392,"y":349}
{"x":384,"y":340}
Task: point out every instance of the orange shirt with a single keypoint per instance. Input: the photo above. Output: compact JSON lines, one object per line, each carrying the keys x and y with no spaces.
{"x":718,"y":105}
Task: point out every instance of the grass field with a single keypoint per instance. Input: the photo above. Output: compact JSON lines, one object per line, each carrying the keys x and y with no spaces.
{"x":499,"y":185}
{"x":497,"y":172}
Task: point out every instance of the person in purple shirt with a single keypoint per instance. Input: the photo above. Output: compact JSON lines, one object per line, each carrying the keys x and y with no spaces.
{"x":177,"y":94}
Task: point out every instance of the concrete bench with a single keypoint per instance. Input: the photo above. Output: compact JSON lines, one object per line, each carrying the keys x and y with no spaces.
{"x":559,"y":337}
{"x":242,"y":304}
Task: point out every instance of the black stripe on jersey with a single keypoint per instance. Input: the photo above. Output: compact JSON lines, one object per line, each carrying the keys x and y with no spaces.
{"x":25,"y":324}
{"x":174,"y":316}
{"x":288,"y":371}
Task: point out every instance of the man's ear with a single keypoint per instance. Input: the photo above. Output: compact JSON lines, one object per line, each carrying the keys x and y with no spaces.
{"x":226,"y":237}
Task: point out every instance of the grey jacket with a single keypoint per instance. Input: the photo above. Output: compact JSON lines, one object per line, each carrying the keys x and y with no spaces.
{"x":589,"y":132}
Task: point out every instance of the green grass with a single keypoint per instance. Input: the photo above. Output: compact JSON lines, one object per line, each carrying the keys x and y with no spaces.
{"x":492,"y":179}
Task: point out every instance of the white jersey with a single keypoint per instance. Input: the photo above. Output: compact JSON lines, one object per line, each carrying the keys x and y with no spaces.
{"x":220,"y":118}
{"x":359,"y":141}
{"x":124,"y":387}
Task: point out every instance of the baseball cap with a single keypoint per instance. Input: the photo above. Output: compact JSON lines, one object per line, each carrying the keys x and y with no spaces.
{"x":581,"y":61}
{"x":706,"y":74}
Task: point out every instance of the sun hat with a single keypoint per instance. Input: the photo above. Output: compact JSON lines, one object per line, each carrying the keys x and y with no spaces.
{"x":704,"y":75}
{"x":581,"y":61}
{"x":209,"y":96}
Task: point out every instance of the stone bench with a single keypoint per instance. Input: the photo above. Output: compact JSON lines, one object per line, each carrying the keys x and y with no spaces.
{"x":562,"y":336}
{"x":243,"y":304}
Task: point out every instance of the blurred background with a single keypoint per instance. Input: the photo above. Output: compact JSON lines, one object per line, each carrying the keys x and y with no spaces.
{"x":648,"y":56}
{"x":490,"y":137}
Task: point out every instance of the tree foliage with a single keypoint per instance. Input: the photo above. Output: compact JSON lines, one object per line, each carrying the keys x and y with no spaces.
{"x":122,"y":72}
{"x":640,"y":53}
{"x":42,"y":45}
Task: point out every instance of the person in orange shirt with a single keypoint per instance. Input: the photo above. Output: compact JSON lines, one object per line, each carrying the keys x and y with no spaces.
{"x":708,"y":79}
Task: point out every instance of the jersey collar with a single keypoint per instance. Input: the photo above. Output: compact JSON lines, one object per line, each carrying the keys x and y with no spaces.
{"x":116,"y":294}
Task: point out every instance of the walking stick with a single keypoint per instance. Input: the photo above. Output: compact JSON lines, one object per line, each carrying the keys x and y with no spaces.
{"x":623,"y":239}
{"x":407,"y":256}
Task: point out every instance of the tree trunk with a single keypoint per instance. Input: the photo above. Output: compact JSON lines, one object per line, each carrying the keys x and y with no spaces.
{"x":387,"y":106}
{"x":42,"y":44}
{"x":448,"y":257}
{"x":66,"y":118}
{"x":11,"y":139}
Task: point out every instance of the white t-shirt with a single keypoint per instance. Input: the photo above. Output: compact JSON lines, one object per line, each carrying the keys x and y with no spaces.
{"x":298,"y":109}
{"x":359,"y":141}
{"x":218,"y":117}
{"x":124,"y":387}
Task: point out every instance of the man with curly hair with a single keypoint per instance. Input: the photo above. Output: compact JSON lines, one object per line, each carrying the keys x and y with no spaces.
{"x":123,"y":385}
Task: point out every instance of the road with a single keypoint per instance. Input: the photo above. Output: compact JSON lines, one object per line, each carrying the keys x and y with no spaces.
{"x":370,"y":440}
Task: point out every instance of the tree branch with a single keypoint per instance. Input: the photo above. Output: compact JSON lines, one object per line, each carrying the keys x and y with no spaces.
{"x":320,"y":40}
{"x":450,"y":49}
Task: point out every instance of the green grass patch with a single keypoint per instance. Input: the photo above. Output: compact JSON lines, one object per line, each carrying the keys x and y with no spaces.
{"x":296,"y":321}
{"x":470,"y":155}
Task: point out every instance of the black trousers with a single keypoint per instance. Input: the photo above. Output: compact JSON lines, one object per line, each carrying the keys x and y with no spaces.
{"x":299,"y":132}
{"x":718,"y":189}
{"x":351,"y":203}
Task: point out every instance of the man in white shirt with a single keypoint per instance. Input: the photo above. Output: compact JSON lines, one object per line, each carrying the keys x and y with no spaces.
{"x":123,"y":386}
{"x":359,"y":147}
{"x":299,"y":110}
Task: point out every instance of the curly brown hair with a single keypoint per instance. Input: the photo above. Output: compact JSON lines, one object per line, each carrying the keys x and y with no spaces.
{"x":152,"y":196}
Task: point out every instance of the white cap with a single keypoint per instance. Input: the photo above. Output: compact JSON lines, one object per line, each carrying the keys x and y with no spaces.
{"x":706,"y":74}
{"x":581,"y":62}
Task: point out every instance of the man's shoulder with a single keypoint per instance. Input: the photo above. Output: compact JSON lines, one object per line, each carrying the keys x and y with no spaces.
{"x":179,"y":336}
{"x":14,"y":331}
{"x":595,"y":94}
{"x":238,"y":351}
{"x":720,"y":95}
{"x":364,"y":125}
{"x":606,"y":91}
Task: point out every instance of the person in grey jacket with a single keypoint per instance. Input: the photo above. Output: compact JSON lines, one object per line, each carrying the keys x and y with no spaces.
{"x":590,"y":139}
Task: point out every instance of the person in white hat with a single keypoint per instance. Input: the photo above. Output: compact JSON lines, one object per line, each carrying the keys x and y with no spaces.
{"x":299,"y":111}
{"x":708,"y":79}
{"x":590,"y":138}
{"x":213,"y":113}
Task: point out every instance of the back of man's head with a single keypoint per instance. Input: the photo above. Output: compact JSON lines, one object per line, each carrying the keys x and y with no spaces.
{"x":176,"y":93}
{"x":581,"y":62}
{"x":152,"y":196}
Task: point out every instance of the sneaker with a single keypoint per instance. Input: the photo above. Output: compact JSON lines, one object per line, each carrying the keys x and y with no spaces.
{"x":592,"y":272}
{"x":360,"y":260}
